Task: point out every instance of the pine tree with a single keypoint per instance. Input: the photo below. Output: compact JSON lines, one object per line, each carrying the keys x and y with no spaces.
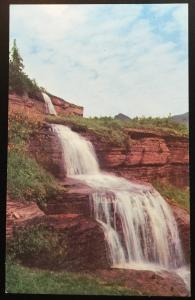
{"x":19,"y":82}
{"x":16,"y":59}
{"x":16,"y":75}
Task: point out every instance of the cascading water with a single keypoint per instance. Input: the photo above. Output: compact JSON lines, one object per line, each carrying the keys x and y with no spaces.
{"x":49,"y":105}
{"x":139,"y":226}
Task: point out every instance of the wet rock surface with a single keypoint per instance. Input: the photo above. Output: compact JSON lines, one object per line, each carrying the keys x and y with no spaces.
{"x":183,"y":221}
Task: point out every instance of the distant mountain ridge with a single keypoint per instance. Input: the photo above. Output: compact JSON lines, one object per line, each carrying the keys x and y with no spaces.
{"x":121,"y":117}
{"x":183,"y":118}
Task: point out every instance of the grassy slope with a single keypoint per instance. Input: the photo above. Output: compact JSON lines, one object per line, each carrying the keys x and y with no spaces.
{"x":21,"y":279}
{"x":27,"y":180}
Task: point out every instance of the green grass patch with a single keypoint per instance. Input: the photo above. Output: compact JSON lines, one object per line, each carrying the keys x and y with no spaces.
{"x":173,"y":193}
{"x":21,"y":279}
{"x":20,"y":126}
{"x":27,"y":180}
{"x":112,"y":131}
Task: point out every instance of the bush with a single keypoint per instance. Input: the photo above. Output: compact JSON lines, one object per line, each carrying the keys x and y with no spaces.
{"x":37,"y":245}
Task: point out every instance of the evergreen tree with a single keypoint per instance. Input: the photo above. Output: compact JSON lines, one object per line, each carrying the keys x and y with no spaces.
{"x":16,"y":59}
{"x":19,"y":82}
{"x":16,"y":76}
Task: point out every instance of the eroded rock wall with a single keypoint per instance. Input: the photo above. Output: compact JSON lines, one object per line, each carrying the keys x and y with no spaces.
{"x":149,"y":155}
{"x":38,"y":105}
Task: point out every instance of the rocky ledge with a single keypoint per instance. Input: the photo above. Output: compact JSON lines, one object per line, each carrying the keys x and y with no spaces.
{"x":149,"y":155}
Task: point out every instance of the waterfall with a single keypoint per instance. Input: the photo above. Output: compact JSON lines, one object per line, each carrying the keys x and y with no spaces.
{"x":138,"y":224}
{"x":49,"y":105}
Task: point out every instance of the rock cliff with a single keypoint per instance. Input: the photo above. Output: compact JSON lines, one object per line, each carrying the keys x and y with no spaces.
{"x":149,"y":155}
{"x":62,"y":107}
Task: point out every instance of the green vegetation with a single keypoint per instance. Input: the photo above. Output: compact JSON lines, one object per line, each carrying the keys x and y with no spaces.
{"x":112,"y":130}
{"x":38,"y":245}
{"x":27,"y":180}
{"x":21,"y":279}
{"x":19,"y":82}
{"x":173,"y":193}
{"x":20,"y":126}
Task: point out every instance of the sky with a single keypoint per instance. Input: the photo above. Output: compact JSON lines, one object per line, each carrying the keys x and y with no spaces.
{"x":110,"y":59}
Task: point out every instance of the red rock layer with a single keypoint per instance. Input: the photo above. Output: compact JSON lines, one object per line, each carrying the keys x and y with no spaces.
{"x":149,"y":156}
{"x":65,"y":108}
{"x":28,"y":104}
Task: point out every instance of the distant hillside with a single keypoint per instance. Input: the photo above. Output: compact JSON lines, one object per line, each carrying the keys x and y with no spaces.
{"x":122,"y":117}
{"x":183,"y":118}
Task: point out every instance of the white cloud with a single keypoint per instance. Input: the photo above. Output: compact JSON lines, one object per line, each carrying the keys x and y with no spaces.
{"x":109,"y":62}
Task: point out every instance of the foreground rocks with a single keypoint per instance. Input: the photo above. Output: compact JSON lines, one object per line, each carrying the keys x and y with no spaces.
{"x":82,"y":237}
{"x":148,"y":282}
{"x":86,"y":246}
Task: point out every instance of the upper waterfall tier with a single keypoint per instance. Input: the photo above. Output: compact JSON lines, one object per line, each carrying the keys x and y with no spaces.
{"x":49,"y":105}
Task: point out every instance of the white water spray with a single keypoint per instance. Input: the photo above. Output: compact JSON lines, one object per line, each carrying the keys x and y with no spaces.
{"x":139,"y":226}
{"x":49,"y":105}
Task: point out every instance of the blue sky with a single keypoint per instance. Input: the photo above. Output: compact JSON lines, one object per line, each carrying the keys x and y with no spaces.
{"x":121,"y":58}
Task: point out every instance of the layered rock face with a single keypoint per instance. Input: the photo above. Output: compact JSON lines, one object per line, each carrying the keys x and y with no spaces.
{"x":148,"y":155}
{"x":46,"y":149}
{"x":38,"y":105}
{"x":66,"y":108}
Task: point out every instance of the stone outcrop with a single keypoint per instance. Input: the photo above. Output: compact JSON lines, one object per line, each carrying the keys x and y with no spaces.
{"x":66,"y":108}
{"x":45,"y":148}
{"x":83,"y":237}
{"x":38,"y":105}
{"x":17,"y":212}
{"x":29,"y":105}
{"x":149,"y":155}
